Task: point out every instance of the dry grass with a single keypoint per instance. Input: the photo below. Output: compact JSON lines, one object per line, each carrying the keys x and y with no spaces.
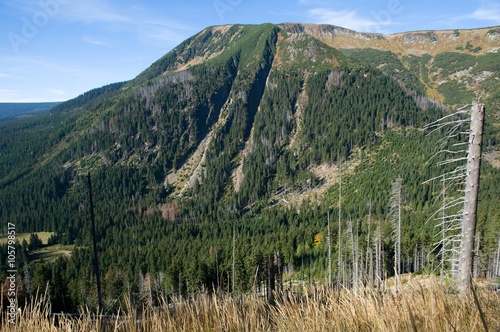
{"x":44,"y":236}
{"x":418,"y":306}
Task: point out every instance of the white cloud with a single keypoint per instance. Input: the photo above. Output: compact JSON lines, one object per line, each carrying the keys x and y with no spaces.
{"x":95,"y":41}
{"x":161,"y":33}
{"x":92,"y":11}
{"x":347,"y":19}
{"x":56,"y":92}
{"x":34,"y":79}
{"x":142,"y":24}
{"x":490,"y":13}
{"x":7,"y":95}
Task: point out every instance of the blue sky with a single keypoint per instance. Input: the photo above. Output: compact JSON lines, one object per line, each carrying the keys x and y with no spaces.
{"x":54,"y":50}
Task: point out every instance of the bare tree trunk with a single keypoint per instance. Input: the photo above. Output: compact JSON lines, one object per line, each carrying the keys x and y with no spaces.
{"x":354,"y":253}
{"x":497,"y":263}
{"x":369,"y":255}
{"x":339,"y":258}
{"x":217,"y":268}
{"x":416,"y":265}
{"x":476,"y":256}
{"x":234,"y":257}
{"x":94,"y":241}
{"x":378,"y":256}
{"x":356,"y":257}
{"x":471,"y":194}
{"x":395,"y":206}
{"x":271,"y":266}
{"x":443,"y":227}
{"x":329,"y":253}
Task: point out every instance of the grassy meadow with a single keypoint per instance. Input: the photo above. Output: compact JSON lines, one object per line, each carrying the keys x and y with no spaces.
{"x":419,"y":304}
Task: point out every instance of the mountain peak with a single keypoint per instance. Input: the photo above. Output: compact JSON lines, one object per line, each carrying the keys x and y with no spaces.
{"x":248,"y":129}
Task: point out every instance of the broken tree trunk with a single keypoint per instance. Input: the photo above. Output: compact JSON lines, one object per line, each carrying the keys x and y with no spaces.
{"x":470,"y":199}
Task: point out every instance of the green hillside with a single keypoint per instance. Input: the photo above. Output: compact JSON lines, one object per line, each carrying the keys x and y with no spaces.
{"x":236,"y":139}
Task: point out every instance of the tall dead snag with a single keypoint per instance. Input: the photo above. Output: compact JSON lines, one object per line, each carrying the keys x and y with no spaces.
{"x":94,"y":241}
{"x":471,"y":194}
{"x":395,"y":209}
{"x":339,"y":250}
{"x":329,"y":253}
{"x":275,"y":274}
{"x":449,"y":216}
{"x":378,"y":255}
{"x":497,"y":261}
{"x":369,"y":253}
{"x":234,"y":258}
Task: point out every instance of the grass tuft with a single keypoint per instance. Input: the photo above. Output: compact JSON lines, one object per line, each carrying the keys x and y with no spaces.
{"x":419,"y":305}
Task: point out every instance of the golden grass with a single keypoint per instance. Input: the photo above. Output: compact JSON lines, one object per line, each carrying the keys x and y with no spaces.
{"x":417,"y":306}
{"x":51,"y":253}
{"x":44,"y":236}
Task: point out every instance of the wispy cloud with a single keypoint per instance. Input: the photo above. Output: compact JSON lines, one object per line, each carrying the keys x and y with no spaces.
{"x":7,"y":95}
{"x":348,"y":19}
{"x":23,"y":65}
{"x":145,"y":25}
{"x":161,"y":32}
{"x":92,"y":11}
{"x":33,"y":78}
{"x":96,"y":41}
{"x":489,"y":13}
{"x":56,"y":92}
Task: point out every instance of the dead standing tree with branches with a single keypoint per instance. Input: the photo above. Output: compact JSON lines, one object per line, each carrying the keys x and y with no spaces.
{"x":467,"y":177}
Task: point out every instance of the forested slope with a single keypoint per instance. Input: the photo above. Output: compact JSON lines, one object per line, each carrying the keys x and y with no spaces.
{"x":216,"y":146}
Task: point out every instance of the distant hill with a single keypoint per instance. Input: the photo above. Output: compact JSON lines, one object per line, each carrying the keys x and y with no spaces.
{"x":8,"y":110}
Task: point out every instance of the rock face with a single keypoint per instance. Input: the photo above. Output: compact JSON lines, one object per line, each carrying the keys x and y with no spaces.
{"x":430,"y":62}
{"x":419,"y":37}
{"x":404,"y":43}
{"x":328,"y":31}
{"x":493,"y":34}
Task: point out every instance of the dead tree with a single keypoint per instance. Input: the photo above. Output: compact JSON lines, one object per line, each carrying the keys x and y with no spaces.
{"x":369,"y":254}
{"x":477,"y":256}
{"x":449,"y":215}
{"x":274,"y":274}
{"x":94,"y":241}
{"x":329,"y":252}
{"x":353,"y":255}
{"x":497,"y":261}
{"x":470,"y":199}
{"x":339,"y":253}
{"x":467,"y":227}
{"x":443,"y":229}
{"x":395,"y":208}
{"x":378,"y":255}
{"x":234,"y":258}
{"x":449,"y":227}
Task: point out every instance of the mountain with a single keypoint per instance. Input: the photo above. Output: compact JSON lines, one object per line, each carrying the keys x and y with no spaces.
{"x":246,"y":130}
{"x":10,"y":110}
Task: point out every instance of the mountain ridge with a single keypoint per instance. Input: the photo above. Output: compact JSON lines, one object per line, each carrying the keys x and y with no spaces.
{"x":248,"y":129}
